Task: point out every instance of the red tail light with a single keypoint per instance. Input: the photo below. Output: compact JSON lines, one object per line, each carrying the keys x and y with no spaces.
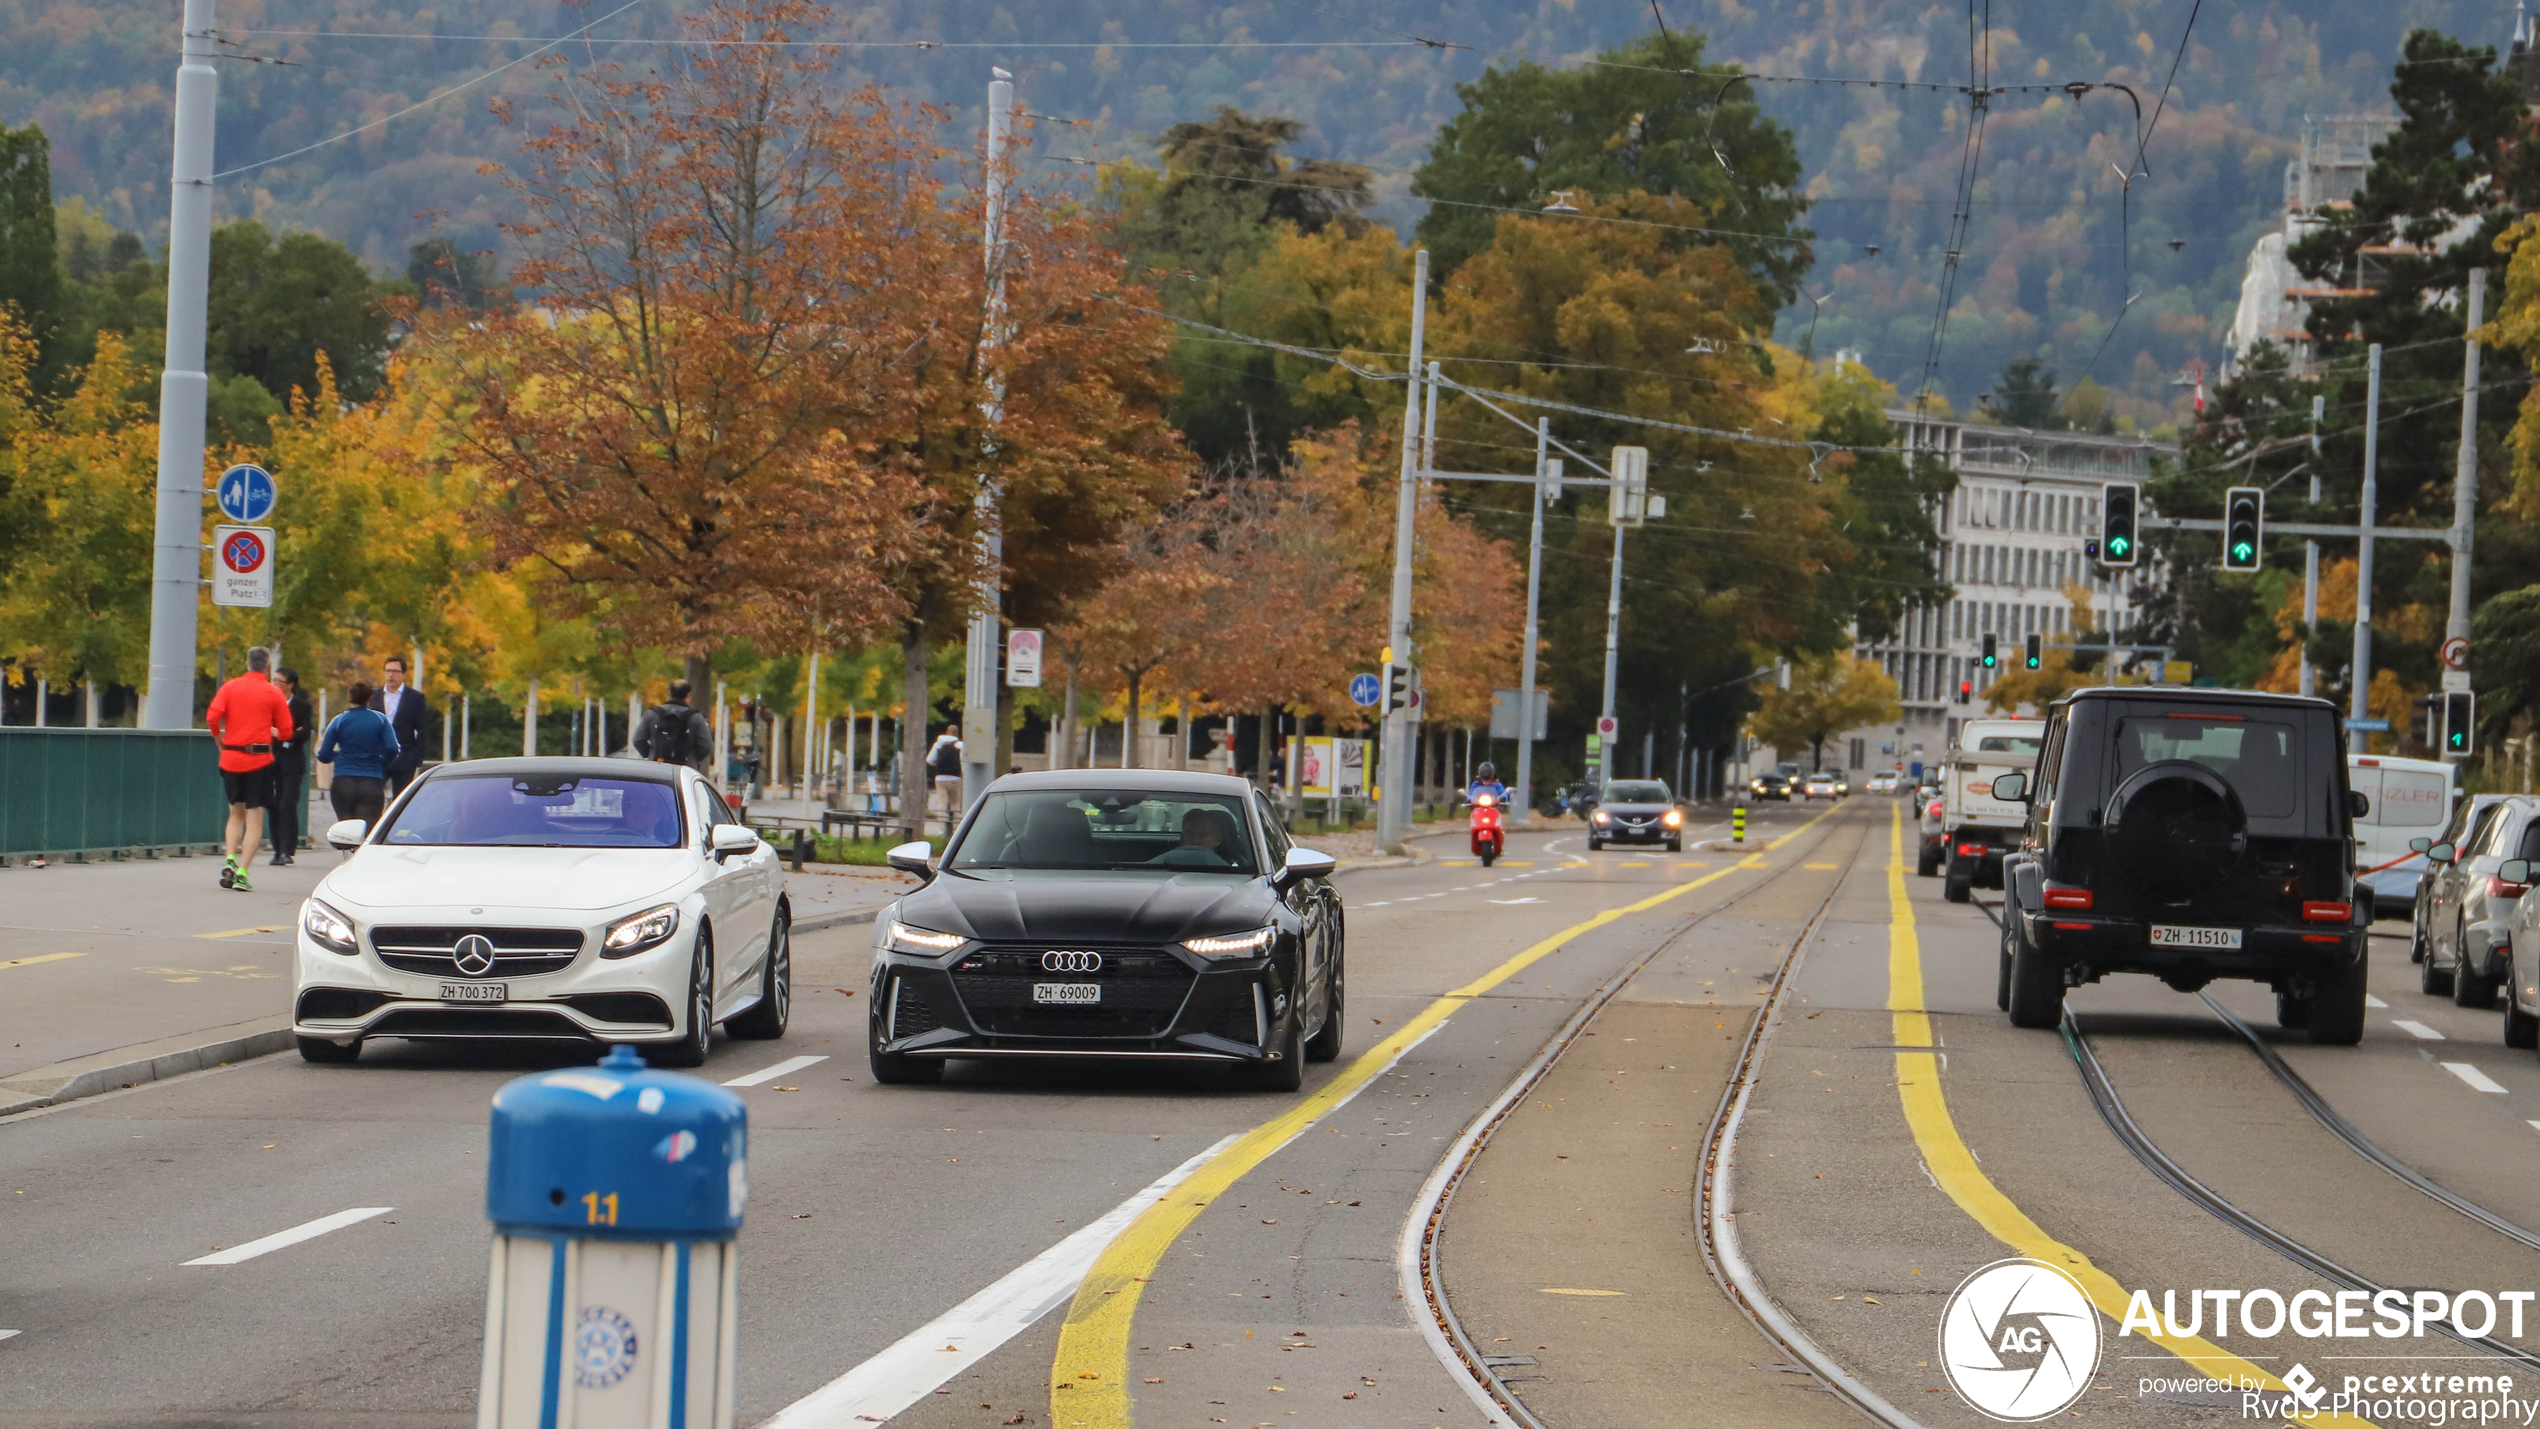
{"x":2499,"y":888}
{"x":1971,"y":850}
{"x":2328,"y":912}
{"x":2075,"y":898}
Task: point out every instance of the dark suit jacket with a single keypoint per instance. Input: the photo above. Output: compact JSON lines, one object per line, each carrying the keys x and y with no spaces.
{"x":408,"y":722}
{"x":292,"y":755}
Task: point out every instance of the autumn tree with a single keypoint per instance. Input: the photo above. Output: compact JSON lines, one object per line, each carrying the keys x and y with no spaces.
{"x":1151,"y":615}
{"x":76,"y":604}
{"x":1828,"y":694}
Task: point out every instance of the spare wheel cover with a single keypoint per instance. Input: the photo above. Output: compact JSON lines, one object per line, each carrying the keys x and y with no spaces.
{"x":2176,"y":829}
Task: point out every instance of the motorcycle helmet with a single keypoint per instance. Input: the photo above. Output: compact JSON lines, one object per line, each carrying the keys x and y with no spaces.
{"x":1486,"y":771}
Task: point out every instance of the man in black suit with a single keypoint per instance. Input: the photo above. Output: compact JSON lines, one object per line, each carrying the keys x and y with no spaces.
{"x":404,"y":706}
{"x":290,"y":771}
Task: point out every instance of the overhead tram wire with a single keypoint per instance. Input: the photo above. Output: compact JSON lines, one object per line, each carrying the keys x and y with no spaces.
{"x":2125,"y":196}
{"x":681,"y":43}
{"x":1962,"y":212}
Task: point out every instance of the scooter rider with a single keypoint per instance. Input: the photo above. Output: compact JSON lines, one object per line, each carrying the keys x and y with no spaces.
{"x":1486,"y":781}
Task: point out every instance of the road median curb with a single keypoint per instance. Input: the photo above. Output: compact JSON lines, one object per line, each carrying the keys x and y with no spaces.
{"x":142,"y":1062}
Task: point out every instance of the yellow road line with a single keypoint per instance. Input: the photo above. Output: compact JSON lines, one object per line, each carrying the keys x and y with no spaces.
{"x":1954,"y":1166}
{"x":38,"y":958}
{"x":1089,"y":1381}
{"x":244,"y":932}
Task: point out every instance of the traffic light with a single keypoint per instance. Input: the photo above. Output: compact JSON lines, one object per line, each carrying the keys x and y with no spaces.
{"x":2036,"y":649}
{"x":2117,"y":502}
{"x":1966,"y":690}
{"x":2459,"y":708}
{"x":1629,"y":503}
{"x":1992,"y":657}
{"x":2244,"y":511}
{"x":1397,"y":687}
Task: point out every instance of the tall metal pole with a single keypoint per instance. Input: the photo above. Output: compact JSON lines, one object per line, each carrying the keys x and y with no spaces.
{"x":2359,"y":674}
{"x":2311,"y":558}
{"x":1525,"y":810}
{"x":1393,"y":801}
{"x":2465,"y":483}
{"x":1613,"y":626}
{"x":979,"y":702}
{"x":176,"y":560}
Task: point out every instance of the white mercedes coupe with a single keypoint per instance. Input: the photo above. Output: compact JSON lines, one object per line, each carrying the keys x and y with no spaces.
{"x":583,"y":900}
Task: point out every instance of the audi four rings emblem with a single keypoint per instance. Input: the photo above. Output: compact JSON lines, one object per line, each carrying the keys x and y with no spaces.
{"x":474,"y":954}
{"x":1071,"y":962}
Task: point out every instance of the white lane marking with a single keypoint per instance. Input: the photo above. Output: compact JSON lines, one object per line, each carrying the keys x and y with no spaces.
{"x":2478,"y":1081}
{"x":972,"y":1330}
{"x":293,"y":1236}
{"x":2372,"y":1001}
{"x":769,"y":1074}
{"x":1505,"y":901}
{"x":9,"y":1334}
{"x":1379,"y":903}
{"x":2417,"y":1030}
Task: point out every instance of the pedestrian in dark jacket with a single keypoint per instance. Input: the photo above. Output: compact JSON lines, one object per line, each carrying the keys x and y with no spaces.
{"x":404,"y":705}
{"x":362,"y":745}
{"x":672,"y":733}
{"x":290,"y":771}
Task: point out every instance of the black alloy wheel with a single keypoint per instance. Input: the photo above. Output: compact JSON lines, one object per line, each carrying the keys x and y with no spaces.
{"x":2470,"y":987}
{"x":2337,"y":1006}
{"x":2037,"y":985}
{"x":1325,"y":1045}
{"x":1958,"y":883}
{"x":2431,"y":980}
{"x":2522,"y":1030}
{"x":327,"y":1052}
{"x":766,"y":1018}
{"x":690,"y":1050}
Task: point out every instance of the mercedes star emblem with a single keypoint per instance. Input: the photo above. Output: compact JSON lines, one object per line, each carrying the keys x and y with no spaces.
{"x":474,"y":955}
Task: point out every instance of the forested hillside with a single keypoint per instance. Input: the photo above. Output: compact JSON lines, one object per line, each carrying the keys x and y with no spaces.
{"x":2044,"y":268}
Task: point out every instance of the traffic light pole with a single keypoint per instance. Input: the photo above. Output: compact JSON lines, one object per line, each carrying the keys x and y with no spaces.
{"x":176,"y":560}
{"x":2465,"y":488}
{"x":1393,"y":797}
{"x":980,"y":702}
{"x":1524,"y":814}
{"x":2359,"y":667}
{"x":1613,"y":629}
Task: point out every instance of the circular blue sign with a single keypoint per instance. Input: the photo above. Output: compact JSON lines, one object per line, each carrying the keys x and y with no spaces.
{"x":1365,"y":689}
{"x":246,"y":493}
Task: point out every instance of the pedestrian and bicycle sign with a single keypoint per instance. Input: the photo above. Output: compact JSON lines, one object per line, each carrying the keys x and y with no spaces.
{"x":246,"y":493}
{"x":1365,"y":690}
{"x":242,"y":565}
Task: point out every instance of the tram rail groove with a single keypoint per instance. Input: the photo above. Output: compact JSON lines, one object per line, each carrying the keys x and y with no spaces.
{"x":1420,"y":1260}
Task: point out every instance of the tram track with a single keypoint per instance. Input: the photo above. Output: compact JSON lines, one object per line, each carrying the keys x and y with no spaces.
{"x":1713,"y":1213}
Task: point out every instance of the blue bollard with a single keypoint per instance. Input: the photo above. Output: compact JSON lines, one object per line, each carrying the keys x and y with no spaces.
{"x":615,"y":1193}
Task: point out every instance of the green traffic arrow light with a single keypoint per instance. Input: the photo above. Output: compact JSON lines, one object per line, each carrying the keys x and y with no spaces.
{"x":2241,"y":551}
{"x":2117,"y":545}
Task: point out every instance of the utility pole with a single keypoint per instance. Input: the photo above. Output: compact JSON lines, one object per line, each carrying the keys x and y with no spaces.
{"x":1525,"y":810}
{"x":2465,"y":486}
{"x":2359,"y":675}
{"x":1393,"y":800}
{"x":979,"y":697}
{"x":176,"y":562}
{"x":2311,"y":557}
{"x":1613,"y":628}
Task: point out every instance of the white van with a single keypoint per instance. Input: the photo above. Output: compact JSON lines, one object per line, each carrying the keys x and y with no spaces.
{"x":2411,"y":798}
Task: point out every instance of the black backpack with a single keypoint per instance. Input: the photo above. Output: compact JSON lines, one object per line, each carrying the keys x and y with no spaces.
{"x":670,"y":735}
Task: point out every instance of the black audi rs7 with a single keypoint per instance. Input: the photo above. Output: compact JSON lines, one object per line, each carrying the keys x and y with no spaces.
{"x":1112,"y":913}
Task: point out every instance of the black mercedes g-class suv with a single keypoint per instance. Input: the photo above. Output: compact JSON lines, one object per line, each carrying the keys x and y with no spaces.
{"x":2192,"y":835}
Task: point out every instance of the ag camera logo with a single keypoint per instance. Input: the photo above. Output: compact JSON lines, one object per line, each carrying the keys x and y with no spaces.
{"x":2019,"y":1341}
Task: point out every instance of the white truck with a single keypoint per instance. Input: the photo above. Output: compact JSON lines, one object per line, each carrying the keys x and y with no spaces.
{"x":2411,"y":798}
{"x":1975,"y":826}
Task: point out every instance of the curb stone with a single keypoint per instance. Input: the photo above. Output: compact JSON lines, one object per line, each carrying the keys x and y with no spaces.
{"x":149,"y":1062}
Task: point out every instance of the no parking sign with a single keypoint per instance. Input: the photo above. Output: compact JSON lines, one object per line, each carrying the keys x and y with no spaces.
{"x":242,"y":565}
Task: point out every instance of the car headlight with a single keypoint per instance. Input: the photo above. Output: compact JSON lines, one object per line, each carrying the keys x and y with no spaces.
{"x":1675,"y":818}
{"x":1233,"y":945}
{"x":1602,"y":816}
{"x":925,"y":942}
{"x":637,"y":931}
{"x":329,"y":929}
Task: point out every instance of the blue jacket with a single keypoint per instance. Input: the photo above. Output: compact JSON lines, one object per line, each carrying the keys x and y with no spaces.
{"x":364,"y":739}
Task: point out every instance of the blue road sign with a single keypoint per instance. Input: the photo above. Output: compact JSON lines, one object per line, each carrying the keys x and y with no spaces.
{"x":1365,"y":689}
{"x":2368,"y":726}
{"x":246,"y":494}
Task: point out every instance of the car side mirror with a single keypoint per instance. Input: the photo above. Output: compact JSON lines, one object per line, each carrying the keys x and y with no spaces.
{"x":347,"y":834}
{"x":2358,"y":804}
{"x":2515,"y":870}
{"x":2010,"y":788}
{"x":729,"y":839}
{"x":2419,"y":845}
{"x":915,"y":859}
{"x":1302,"y":864}
{"x":2440,"y":853}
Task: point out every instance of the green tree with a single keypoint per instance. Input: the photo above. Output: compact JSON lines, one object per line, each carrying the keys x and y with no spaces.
{"x":1828,"y":694}
{"x":275,"y":304}
{"x":2024,"y":396}
{"x":30,"y":281}
{"x":443,"y":274}
{"x":1633,"y":122}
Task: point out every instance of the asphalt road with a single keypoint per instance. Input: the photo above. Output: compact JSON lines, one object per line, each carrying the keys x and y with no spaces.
{"x":880,"y":1215}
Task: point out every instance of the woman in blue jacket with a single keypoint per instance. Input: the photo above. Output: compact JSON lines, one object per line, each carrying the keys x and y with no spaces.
{"x":359,"y":743}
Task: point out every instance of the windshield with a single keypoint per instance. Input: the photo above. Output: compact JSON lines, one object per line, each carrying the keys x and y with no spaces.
{"x":1108,"y":829}
{"x":539,"y":811}
{"x":2008,"y":744}
{"x":1648,"y":791}
{"x":2257,"y":758}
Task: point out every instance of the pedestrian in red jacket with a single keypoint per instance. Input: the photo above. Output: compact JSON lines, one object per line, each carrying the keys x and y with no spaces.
{"x":248,"y":717}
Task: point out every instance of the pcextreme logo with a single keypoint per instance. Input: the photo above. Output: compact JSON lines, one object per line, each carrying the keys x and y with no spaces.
{"x":2019,"y":1341}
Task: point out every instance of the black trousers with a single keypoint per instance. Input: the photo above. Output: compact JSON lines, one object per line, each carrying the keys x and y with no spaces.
{"x":357,"y":796}
{"x":282,"y":816}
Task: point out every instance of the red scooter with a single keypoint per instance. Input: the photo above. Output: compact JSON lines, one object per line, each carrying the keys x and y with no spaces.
{"x":1488,"y":837}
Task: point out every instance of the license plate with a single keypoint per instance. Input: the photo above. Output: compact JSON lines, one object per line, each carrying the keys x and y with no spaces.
{"x":1067,"y":994}
{"x":475,"y":992}
{"x":2169,"y":936}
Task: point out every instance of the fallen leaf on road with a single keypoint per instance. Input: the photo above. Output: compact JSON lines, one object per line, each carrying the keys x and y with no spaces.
{"x":1155,"y":1381}
{"x":1269,"y":1223}
{"x":1349,"y":1394}
{"x":785,"y":1089}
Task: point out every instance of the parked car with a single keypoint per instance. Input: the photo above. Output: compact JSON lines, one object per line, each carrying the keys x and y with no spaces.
{"x":549,"y":899}
{"x":2191,"y":835}
{"x":1981,"y":825}
{"x":1929,"y":825}
{"x":1637,"y":811}
{"x":1142,"y":915}
{"x":2464,"y":902}
{"x":2411,"y":799}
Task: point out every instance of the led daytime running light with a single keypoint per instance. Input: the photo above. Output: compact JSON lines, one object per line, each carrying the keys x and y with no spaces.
{"x":1233,"y":945}
{"x":329,"y":929}
{"x":638,"y":931}
{"x":923,"y":940}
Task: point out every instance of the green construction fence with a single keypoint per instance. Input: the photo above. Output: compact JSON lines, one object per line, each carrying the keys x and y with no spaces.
{"x":108,"y":791}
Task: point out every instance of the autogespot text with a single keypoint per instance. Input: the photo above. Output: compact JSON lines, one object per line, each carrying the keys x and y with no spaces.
{"x":2431,"y":1394}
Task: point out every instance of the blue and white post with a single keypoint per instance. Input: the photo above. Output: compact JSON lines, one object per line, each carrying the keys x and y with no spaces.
{"x":615,"y":1193}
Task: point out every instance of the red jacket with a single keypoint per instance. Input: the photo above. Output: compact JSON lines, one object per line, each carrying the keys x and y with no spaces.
{"x":248,"y":711}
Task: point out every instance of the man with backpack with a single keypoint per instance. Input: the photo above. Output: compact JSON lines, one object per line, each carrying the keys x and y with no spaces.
{"x":672,"y":733}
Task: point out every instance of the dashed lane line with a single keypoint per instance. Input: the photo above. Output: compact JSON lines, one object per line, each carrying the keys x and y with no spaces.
{"x":2478,"y":1081}
{"x":282,"y":1239}
{"x":247,"y":932}
{"x":2372,"y":1001}
{"x":769,"y":1074}
{"x":2417,"y":1030}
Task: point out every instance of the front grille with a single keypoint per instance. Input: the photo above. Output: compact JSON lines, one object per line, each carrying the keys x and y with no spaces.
{"x":634,"y":1008}
{"x":335,"y":1004}
{"x":1235,"y":1023}
{"x":1142,"y":990}
{"x":475,"y":1022}
{"x":518,"y":952}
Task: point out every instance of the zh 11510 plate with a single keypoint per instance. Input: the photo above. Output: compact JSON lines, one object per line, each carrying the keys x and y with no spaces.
{"x":475,"y":992}
{"x":2170,"y":936}
{"x":1067,"y":994}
